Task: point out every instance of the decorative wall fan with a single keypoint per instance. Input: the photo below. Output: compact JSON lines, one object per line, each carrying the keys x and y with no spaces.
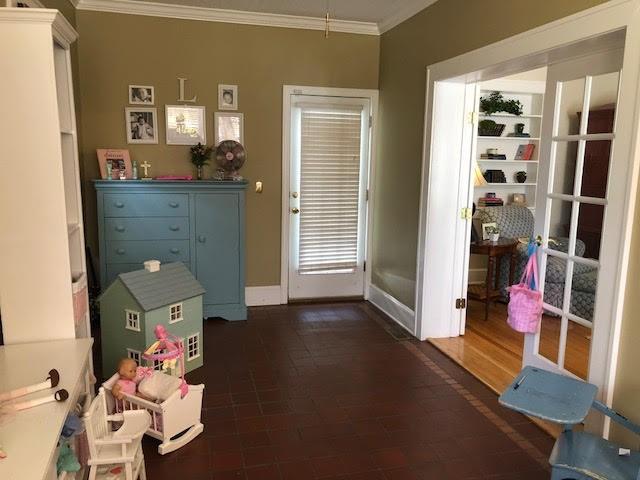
{"x":230,"y":156}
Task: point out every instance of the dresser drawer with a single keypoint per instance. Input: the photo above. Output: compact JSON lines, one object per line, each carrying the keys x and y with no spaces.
{"x":146,"y":205}
{"x":150,"y":228}
{"x":138,"y":251}
{"x":115,"y":269}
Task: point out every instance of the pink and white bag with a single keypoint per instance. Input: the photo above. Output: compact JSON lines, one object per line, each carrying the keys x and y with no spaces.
{"x":525,"y":302}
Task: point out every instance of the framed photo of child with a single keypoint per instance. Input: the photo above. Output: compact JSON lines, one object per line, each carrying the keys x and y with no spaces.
{"x":227,"y":97}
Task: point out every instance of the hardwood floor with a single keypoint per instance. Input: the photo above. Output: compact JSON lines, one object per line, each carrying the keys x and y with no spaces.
{"x":492,"y":352}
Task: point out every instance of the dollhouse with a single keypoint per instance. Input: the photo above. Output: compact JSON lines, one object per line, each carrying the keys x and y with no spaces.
{"x":136,"y":302}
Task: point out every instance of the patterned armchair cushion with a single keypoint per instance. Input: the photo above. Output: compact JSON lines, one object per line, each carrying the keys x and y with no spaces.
{"x":514,"y":221}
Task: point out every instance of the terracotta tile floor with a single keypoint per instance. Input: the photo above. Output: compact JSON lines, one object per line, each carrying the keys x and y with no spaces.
{"x":326,"y":392}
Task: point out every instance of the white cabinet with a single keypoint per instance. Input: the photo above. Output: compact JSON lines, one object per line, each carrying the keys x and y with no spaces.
{"x":42,"y":243}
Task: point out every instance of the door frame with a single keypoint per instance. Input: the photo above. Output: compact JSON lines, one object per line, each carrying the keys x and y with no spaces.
{"x":570,"y":37}
{"x":287,"y":92}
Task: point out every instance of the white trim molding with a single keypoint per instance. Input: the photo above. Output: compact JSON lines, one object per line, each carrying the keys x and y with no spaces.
{"x":408,"y":10}
{"x":394,"y":308}
{"x":261,"y":296}
{"x":186,"y":12}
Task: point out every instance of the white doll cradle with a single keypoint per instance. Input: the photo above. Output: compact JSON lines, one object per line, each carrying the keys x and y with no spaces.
{"x":168,"y":419}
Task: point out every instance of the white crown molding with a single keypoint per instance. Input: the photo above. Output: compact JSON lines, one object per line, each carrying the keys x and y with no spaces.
{"x":408,"y":10}
{"x":184,"y":12}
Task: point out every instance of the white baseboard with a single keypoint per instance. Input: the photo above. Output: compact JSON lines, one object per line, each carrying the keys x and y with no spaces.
{"x":260,"y":296}
{"x":477,"y":276}
{"x":395,"y":309}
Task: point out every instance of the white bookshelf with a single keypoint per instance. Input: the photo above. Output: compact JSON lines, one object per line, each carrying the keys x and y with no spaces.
{"x":43,"y":279}
{"x":531,"y":95}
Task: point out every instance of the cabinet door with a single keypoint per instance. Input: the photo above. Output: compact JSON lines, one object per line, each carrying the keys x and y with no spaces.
{"x":217,"y":262}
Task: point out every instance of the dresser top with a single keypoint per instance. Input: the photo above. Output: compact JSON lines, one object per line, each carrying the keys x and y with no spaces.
{"x":171,"y":183}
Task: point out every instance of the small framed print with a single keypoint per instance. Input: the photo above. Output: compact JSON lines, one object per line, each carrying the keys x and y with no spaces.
{"x":141,"y":95}
{"x":485,"y":229}
{"x":227,"y":97}
{"x":118,"y":159}
{"x":519,"y":199}
{"x":228,"y":126}
{"x":185,"y":125}
{"x":141,"y":125}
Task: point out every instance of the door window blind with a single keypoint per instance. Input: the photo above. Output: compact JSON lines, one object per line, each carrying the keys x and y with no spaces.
{"x":329,"y":189}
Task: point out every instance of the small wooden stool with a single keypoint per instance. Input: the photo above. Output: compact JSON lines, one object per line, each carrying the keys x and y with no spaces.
{"x":494,"y":252}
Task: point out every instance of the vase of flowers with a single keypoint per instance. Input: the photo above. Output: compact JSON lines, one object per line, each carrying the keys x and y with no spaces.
{"x":200,"y":155}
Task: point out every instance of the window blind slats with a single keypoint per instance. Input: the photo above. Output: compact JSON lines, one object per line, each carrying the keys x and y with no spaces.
{"x":329,"y":185}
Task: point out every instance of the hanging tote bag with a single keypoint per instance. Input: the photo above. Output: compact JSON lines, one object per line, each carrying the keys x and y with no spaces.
{"x":525,"y":301}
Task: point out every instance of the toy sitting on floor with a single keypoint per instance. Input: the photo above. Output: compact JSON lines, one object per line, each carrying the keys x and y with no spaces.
{"x":174,"y":406}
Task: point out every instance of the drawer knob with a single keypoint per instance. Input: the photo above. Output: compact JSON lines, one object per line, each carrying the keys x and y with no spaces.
{"x":174,"y":204}
{"x":174,"y":228}
{"x":118,"y":204}
{"x":120,"y":251}
{"x":174,"y":250}
{"x":202,"y":238}
{"x":119,"y":229}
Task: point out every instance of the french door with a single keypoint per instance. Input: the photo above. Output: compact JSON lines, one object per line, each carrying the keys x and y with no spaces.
{"x":329,"y":165}
{"x":574,"y":217}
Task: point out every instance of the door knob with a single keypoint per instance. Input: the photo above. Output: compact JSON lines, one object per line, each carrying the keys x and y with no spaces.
{"x":174,"y":204}
{"x":120,"y":251}
{"x":174,"y":250}
{"x":174,"y":228}
{"x":119,"y":204}
{"x":295,"y":210}
{"x":202,"y":238}
{"x":119,"y":229}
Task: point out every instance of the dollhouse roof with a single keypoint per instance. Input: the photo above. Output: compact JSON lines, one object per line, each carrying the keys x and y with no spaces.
{"x":173,"y":283}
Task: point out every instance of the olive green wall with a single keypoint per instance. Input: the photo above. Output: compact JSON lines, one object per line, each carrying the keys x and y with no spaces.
{"x":116,"y":50}
{"x":444,"y":30}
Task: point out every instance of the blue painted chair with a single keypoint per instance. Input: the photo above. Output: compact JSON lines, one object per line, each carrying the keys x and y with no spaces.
{"x":576,"y":455}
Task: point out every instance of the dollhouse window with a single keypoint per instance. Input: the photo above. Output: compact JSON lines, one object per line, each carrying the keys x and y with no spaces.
{"x":157,"y":364}
{"x":132,"y":320}
{"x":193,"y":346}
{"x":175,"y":313}
{"x":134,"y":355}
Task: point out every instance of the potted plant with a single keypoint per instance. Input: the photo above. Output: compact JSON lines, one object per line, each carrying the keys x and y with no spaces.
{"x":200,"y":155}
{"x":495,"y":103}
{"x":494,"y":233}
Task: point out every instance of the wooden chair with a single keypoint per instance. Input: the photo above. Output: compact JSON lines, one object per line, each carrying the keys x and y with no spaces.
{"x":120,"y":447}
{"x":576,"y":455}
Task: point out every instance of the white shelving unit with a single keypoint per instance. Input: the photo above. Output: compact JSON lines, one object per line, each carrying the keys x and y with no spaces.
{"x":531,"y":95}
{"x":43,"y":279}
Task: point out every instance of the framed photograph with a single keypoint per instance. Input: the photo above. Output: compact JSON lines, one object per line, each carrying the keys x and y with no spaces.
{"x":119,"y":160}
{"x":141,"y":125}
{"x":519,"y":199}
{"x":228,"y":126}
{"x":185,"y":125}
{"x":227,"y":97}
{"x":141,"y":95}
{"x":485,"y":226}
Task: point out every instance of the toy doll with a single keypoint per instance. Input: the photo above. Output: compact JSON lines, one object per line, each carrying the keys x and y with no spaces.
{"x":130,"y":376}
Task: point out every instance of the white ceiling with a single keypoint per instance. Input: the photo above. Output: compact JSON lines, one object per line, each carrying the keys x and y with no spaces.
{"x":373,"y":11}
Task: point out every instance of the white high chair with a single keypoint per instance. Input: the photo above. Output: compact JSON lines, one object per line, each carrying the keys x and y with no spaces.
{"x":120,"y":447}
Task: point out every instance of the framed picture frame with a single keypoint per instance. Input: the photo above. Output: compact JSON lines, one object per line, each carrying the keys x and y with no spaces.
{"x":141,"y":95}
{"x":227,"y":97}
{"x":119,"y":160}
{"x":141,"y":125}
{"x":185,"y":125}
{"x":228,"y":126}
{"x":485,"y":227}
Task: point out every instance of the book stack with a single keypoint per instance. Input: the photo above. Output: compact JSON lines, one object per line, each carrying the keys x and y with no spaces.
{"x":490,"y":201}
{"x":525,"y":152}
{"x":493,"y":156}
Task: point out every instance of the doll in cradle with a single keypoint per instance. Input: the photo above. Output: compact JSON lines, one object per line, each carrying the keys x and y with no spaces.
{"x":130,"y":376}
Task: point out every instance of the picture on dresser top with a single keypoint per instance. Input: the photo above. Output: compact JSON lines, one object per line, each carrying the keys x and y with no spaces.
{"x":114,"y":163}
{"x":141,"y":125}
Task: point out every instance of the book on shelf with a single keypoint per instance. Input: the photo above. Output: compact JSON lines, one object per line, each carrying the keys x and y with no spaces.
{"x":525,"y":152}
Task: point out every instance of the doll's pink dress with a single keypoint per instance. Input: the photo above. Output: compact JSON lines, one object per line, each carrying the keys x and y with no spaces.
{"x":131,"y":386}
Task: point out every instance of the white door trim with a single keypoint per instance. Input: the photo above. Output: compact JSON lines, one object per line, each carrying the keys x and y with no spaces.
{"x":287,"y":92}
{"x":566,"y":38}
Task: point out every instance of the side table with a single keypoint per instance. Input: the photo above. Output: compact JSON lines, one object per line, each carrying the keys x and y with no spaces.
{"x":494,"y":251}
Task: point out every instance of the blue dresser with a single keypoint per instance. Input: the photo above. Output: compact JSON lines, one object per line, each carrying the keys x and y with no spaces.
{"x":200,"y":223}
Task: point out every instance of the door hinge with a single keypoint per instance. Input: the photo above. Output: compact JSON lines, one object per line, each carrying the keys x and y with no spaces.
{"x":472,"y":117}
{"x":366,"y":195}
{"x":466,"y":213}
{"x":370,"y":121}
{"x":461,"y":303}
{"x":364,"y":266}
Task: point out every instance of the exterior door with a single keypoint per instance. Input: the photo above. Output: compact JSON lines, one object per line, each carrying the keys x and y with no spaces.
{"x":572,"y":216}
{"x":329,"y":164}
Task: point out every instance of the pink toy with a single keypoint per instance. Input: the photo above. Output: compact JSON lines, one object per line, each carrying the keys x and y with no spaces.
{"x":169,"y":350}
{"x":130,"y":375}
